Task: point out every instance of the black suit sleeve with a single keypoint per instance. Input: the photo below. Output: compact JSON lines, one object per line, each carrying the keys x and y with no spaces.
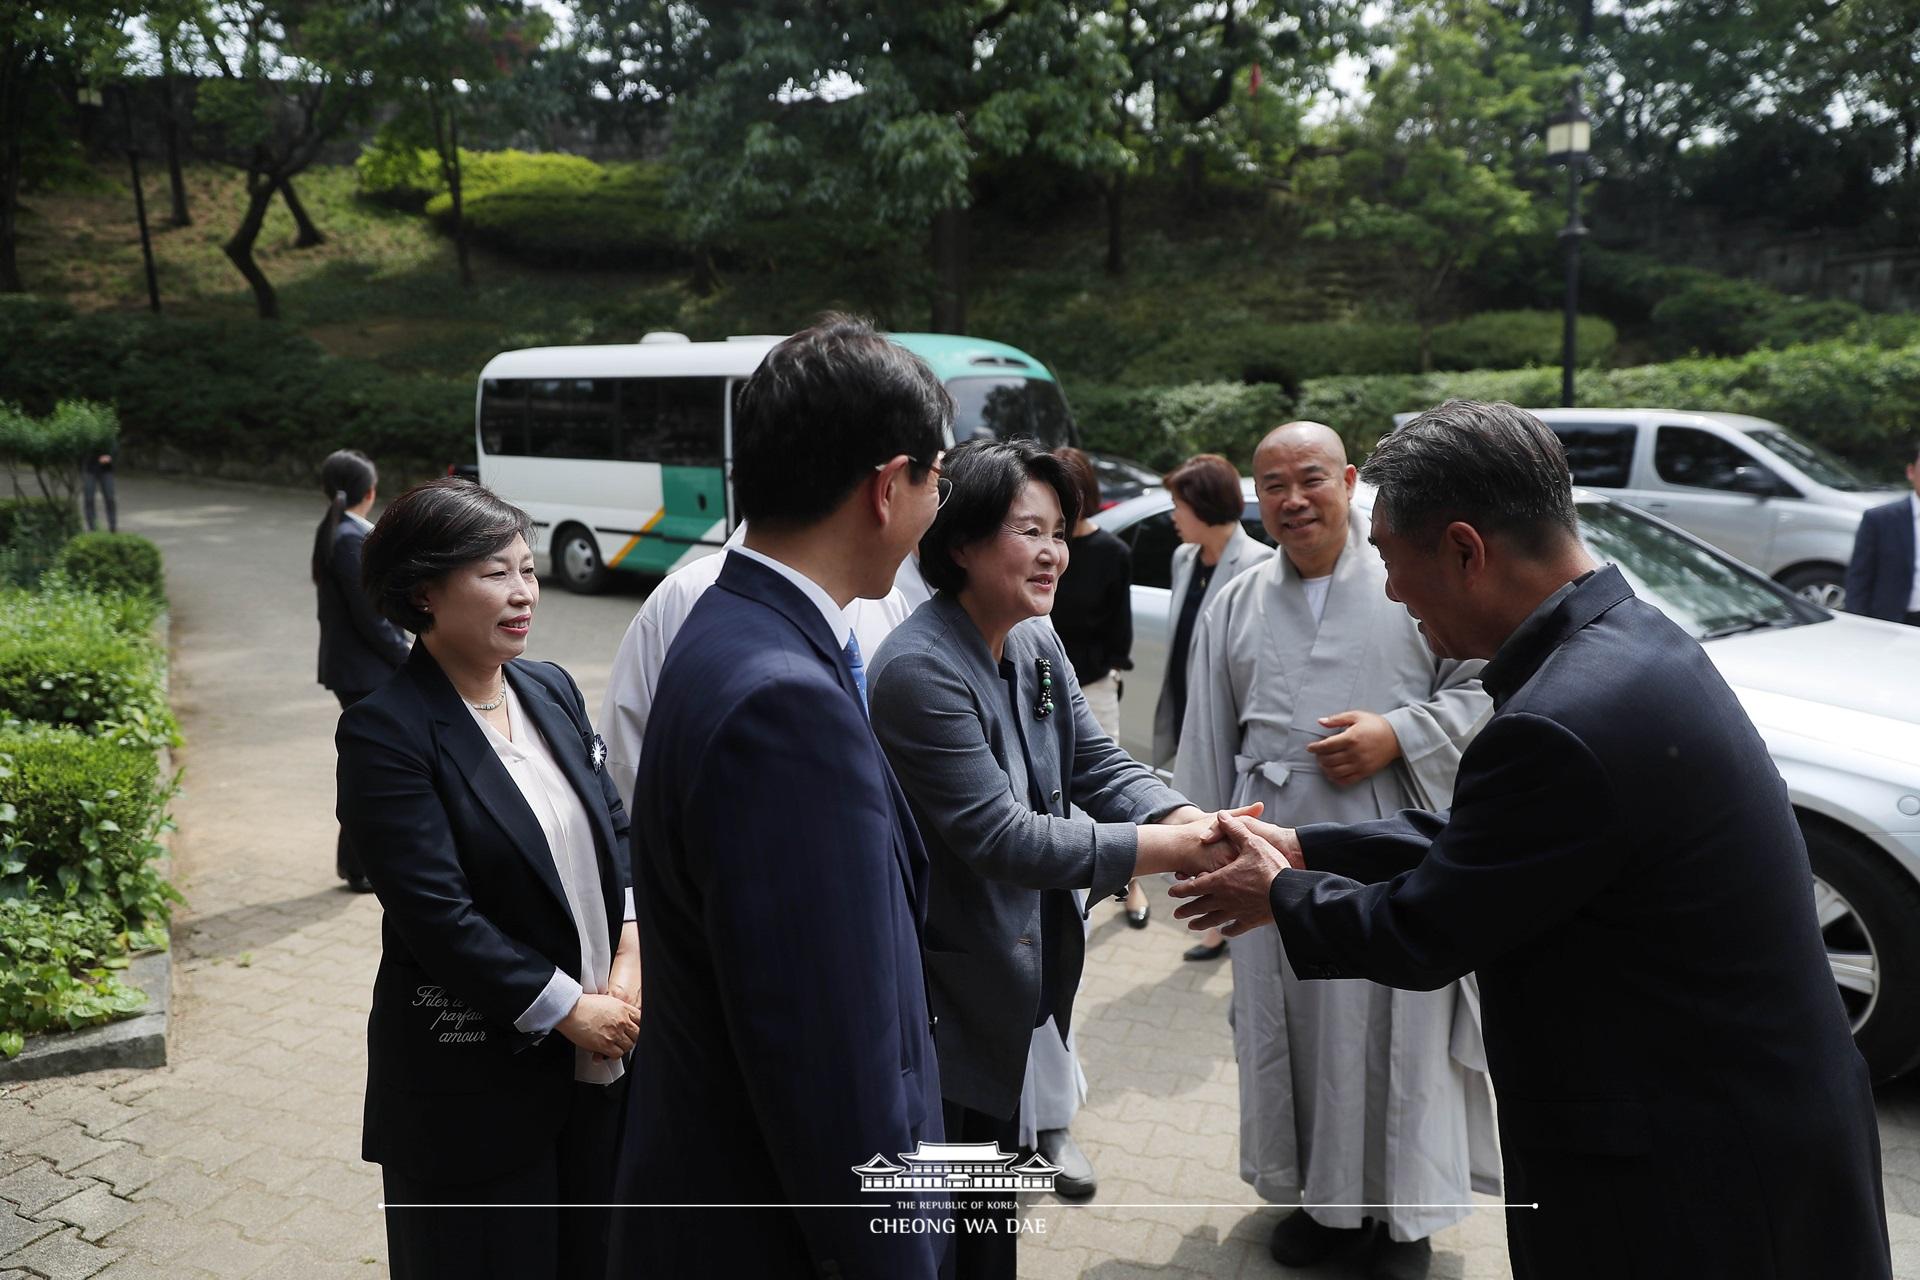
{"x":796,"y":865}
{"x":1864,"y":567}
{"x":393,"y":813}
{"x":381,"y":636}
{"x":1532,"y":836}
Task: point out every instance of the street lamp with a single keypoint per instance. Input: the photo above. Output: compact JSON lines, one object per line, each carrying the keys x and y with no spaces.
{"x":1569,"y":138}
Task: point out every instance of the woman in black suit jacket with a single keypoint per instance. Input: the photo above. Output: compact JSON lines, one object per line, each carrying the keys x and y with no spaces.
{"x":473,"y":786}
{"x":359,"y":649}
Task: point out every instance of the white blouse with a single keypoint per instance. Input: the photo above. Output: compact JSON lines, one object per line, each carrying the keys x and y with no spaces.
{"x":563,"y":820}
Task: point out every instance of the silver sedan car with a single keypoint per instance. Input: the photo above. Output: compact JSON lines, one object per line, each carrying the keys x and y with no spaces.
{"x":1836,"y":697}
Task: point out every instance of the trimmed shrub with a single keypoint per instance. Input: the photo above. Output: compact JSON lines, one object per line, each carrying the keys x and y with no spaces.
{"x":545,"y":208}
{"x":1518,"y":340}
{"x":106,"y":563}
{"x":198,"y":393}
{"x":1856,"y":400}
{"x":85,"y":818}
{"x":32,"y":533}
{"x":1163,"y":426}
{"x":67,"y":657}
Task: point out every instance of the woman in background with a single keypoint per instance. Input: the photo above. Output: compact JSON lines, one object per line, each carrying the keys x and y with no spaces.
{"x":359,"y":649}
{"x":1207,"y":507}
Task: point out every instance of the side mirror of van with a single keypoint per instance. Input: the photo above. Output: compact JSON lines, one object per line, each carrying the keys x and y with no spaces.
{"x":1758,"y":481}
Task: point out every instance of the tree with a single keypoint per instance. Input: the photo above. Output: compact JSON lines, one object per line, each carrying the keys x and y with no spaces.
{"x":440,"y":57}
{"x":1429,"y":174}
{"x":43,"y":50}
{"x":293,"y":73}
{"x":871,"y":120}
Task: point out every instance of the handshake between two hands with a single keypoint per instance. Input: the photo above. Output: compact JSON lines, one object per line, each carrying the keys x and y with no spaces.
{"x":1227,"y":869}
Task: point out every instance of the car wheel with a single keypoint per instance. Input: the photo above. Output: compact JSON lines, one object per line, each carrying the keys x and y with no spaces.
{"x":1822,"y":584}
{"x":1868,"y":909}
{"x":576,"y":560}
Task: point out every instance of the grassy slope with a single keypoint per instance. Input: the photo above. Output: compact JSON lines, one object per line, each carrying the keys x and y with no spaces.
{"x":383,"y":287}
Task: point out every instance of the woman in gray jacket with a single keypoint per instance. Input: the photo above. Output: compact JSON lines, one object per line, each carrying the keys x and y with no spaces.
{"x":1019,"y":795}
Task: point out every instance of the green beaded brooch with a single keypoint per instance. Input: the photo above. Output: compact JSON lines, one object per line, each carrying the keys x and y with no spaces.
{"x":1045,"y":708}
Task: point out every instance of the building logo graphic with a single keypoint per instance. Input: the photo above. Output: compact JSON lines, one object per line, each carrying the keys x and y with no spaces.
{"x":957,"y":1166}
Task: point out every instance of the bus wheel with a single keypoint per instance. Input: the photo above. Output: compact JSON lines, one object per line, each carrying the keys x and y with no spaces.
{"x":576,"y":560}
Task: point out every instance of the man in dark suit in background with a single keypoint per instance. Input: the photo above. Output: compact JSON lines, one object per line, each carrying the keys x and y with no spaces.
{"x":1883,"y":579}
{"x":1678,"y":1089}
{"x":780,"y":883}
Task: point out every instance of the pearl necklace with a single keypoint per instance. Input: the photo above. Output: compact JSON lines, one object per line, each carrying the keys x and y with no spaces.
{"x":495,"y":704}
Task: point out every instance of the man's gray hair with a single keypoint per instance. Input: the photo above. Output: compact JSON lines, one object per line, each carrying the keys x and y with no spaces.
{"x":1485,"y":463}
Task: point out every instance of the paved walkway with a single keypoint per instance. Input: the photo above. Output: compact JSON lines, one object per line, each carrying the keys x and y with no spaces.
{"x":241,"y":1157}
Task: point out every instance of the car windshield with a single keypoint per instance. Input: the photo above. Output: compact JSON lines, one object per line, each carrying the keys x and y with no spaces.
{"x":1819,"y":465}
{"x":1002,"y":408}
{"x":1704,"y":594}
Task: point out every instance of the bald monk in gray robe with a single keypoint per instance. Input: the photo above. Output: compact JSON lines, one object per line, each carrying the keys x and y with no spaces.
{"x":1314,"y":693}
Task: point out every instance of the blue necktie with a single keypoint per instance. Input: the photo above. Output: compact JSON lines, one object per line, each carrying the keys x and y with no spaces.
{"x":859,"y":668}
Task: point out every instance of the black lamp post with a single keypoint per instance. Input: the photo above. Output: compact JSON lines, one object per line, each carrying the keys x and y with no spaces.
{"x":1569,"y":138}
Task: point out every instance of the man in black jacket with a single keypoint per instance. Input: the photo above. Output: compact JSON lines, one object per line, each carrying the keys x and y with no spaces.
{"x":1678,"y":1091}
{"x":1883,"y":578}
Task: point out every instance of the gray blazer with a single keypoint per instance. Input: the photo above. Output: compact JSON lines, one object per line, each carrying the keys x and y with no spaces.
{"x":1241,"y":553}
{"x":962,"y":745}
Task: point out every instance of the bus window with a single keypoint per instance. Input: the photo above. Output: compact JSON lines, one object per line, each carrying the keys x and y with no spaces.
{"x":1002,"y":408}
{"x":676,"y":422}
{"x":570,"y":417}
{"x":503,"y":416}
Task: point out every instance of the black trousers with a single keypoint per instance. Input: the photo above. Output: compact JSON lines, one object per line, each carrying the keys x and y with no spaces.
{"x":990,"y":1252}
{"x":104,"y":481}
{"x":1913,"y":619}
{"x":510,"y":1243}
{"x":346,"y":863}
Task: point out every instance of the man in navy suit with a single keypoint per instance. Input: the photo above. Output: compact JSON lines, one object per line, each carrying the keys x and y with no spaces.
{"x":779,"y":880}
{"x":1679,"y":1094}
{"x":1883,"y":579}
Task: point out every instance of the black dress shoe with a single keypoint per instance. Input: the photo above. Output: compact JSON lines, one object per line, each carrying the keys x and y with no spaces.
{"x":359,"y":884}
{"x":1138,"y":919}
{"x":1400,"y":1259}
{"x":1076,"y":1180}
{"x":1201,"y":951}
{"x":1299,"y":1241}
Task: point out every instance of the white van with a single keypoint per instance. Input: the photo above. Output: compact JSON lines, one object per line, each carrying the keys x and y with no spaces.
{"x":1750,"y":487}
{"x":621,"y":453}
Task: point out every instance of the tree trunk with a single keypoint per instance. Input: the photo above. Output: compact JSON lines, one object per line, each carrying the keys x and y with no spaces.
{"x":10,"y":281}
{"x":1116,"y":225}
{"x":450,"y":162}
{"x":12,"y":93}
{"x":950,"y":270}
{"x":239,"y":250}
{"x":1426,"y":344}
{"x":309,"y":234}
{"x":170,"y":130}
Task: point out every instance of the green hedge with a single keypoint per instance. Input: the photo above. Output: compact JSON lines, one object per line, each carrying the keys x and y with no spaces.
{"x":68,"y":657}
{"x":1291,"y":354}
{"x":86,"y":817}
{"x":1857,"y":400}
{"x":107,"y":563}
{"x":32,"y":534}
{"x":1161,"y":426}
{"x":58,"y":969}
{"x":195,"y":393}
{"x":543,"y":208}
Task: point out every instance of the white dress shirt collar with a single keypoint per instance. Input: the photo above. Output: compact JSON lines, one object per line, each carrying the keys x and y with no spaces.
{"x":358,"y":519}
{"x":836,"y":616}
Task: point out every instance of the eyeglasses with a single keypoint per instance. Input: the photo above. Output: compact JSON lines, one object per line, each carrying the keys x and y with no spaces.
{"x":942,"y":485}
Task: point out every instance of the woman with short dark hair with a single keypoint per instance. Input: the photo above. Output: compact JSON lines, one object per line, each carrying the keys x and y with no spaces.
{"x":472,"y":785}
{"x":1215,"y":549}
{"x":359,"y":648}
{"x":1018,"y":794}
